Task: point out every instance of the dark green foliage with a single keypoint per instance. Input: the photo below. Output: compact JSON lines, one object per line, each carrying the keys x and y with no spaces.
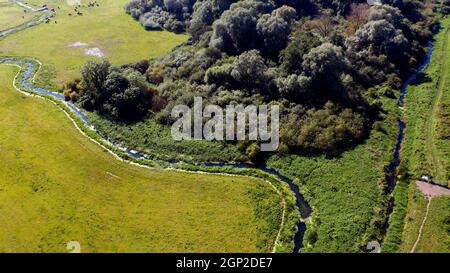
{"x":298,"y":54}
{"x":120,"y":95}
{"x":94,"y":75}
{"x":292,"y":57}
{"x":328,"y":130}
{"x":72,"y":90}
{"x":253,"y":151}
{"x":155,"y":15}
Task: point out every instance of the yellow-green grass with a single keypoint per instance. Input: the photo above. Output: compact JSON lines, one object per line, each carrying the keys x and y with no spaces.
{"x":426,"y":146}
{"x":12,"y":15}
{"x":107,"y":27}
{"x":435,"y":236}
{"x":425,"y":150}
{"x":57,"y":186}
{"x":417,"y":205}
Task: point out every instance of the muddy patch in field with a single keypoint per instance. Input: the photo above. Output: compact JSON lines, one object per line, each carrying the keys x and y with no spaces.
{"x":95,"y":51}
{"x":431,"y":190}
{"x":73,"y":2}
{"x":88,"y":50}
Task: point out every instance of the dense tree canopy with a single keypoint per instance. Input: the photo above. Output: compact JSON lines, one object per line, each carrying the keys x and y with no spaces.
{"x":121,"y":94}
{"x":318,"y":59}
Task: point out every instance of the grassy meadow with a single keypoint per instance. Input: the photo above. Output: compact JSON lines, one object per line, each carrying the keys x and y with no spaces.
{"x":57,"y":186}
{"x":426,"y":151}
{"x":416,"y":209}
{"x":426,"y":145}
{"x":61,"y":44}
{"x":436,"y":237}
{"x":12,"y":15}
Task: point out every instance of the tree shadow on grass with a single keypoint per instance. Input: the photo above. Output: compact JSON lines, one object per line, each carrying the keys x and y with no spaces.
{"x":420,"y":79}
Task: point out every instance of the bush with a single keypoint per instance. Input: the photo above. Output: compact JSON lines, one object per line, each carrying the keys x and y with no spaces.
{"x":328,"y":130}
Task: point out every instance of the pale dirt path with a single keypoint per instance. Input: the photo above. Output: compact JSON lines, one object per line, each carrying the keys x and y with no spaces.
{"x":421,"y":226}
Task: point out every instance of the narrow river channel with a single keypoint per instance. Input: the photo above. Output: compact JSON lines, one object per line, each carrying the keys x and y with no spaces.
{"x":302,"y":205}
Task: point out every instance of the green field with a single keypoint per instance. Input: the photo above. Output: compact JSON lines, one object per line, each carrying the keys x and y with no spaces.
{"x":426,"y":151}
{"x":57,"y":186}
{"x":12,"y":15}
{"x":417,"y":205}
{"x":436,"y":236}
{"x":107,"y":27}
{"x":427,"y":146}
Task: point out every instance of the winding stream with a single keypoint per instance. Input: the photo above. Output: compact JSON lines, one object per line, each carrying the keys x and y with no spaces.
{"x":302,"y":205}
{"x":392,"y":168}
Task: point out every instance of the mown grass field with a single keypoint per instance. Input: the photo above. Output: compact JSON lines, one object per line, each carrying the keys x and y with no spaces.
{"x":107,"y":27}
{"x":57,"y":186}
{"x":12,"y":15}
{"x":426,"y":151}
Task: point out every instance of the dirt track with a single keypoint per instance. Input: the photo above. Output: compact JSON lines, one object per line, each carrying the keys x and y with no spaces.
{"x":431,"y":190}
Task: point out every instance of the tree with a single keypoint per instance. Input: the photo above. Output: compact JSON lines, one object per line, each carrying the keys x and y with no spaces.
{"x":292,"y":56}
{"x":385,"y":12}
{"x":119,"y":93}
{"x":340,"y":7}
{"x":325,"y":65}
{"x":323,"y":25}
{"x":288,"y":13}
{"x":94,"y":74}
{"x":328,"y":130}
{"x":129,"y":104}
{"x":358,"y":17}
{"x":273,"y":31}
{"x":249,"y":72}
{"x":204,"y":14}
{"x":235,"y":31}
{"x":378,"y":46}
{"x":295,"y":88}
{"x":253,"y":151}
